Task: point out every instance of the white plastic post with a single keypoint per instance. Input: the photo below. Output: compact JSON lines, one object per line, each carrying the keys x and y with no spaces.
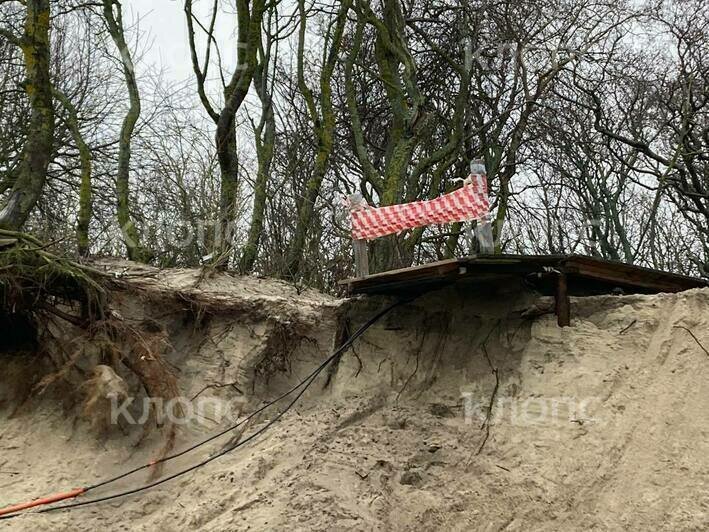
{"x":483,"y":232}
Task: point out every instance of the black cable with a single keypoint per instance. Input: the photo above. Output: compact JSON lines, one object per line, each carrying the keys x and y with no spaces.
{"x":305,"y":383}
{"x":189,"y":469}
{"x":338,"y":352}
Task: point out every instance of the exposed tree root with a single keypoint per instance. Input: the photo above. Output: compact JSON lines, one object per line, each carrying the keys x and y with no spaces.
{"x":43,"y":288}
{"x":495,"y":371}
{"x":283,"y":340}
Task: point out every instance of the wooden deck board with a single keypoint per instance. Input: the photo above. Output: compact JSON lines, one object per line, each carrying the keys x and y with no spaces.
{"x":581,"y":270}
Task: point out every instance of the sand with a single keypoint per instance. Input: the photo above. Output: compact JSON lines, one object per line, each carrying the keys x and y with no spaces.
{"x":603,"y":425}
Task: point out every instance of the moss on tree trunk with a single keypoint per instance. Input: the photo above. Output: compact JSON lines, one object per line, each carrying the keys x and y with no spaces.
{"x":32,"y":175}
{"x":131,"y":238}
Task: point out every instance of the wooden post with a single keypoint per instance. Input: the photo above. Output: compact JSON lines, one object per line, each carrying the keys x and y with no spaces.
{"x":356,"y":202}
{"x":361,"y":258}
{"x":563,"y":304}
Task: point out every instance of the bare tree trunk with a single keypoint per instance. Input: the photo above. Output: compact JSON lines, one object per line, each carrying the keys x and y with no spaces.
{"x":400,"y":176}
{"x":85,"y":194}
{"x":323,"y":122}
{"x":228,"y":158}
{"x":32,"y":175}
{"x":249,"y":17}
{"x":265,"y":137}
{"x":131,"y":239}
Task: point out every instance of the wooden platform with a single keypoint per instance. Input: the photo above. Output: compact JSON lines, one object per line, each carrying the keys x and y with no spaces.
{"x":558,"y":275}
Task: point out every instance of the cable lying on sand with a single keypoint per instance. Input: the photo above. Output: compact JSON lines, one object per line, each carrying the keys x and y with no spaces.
{"x":19,"y":509}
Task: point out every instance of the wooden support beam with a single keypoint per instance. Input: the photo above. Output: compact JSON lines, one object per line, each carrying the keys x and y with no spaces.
{"x":563,"y":304}
{"x":361,"y":257}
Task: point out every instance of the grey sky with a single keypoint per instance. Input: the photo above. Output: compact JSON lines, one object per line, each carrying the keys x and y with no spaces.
{"x":164,"y":22}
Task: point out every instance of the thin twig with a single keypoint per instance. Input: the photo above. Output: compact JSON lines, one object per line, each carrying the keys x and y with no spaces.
{"x":693,"y":336}
{"x":74,"y":320}
{"x":488,"y":416}
{"x":47,"y":245}
{"x":486,"y":424}
{"x":217,"y":386}
{"x":416,"y":367}
{"x":359,"y":361}
{"x":628,"y":327}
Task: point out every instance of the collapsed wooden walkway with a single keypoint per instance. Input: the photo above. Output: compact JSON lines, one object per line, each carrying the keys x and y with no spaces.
{"x":558,"y":275}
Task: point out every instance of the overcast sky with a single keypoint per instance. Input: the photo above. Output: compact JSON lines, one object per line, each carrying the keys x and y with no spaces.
{"x":164,"y":22}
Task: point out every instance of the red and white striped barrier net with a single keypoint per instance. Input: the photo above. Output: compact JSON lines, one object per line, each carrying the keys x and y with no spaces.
{"x":470,"y":202}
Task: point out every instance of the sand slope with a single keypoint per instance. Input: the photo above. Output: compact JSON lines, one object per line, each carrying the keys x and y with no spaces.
{"x":603,"y":425}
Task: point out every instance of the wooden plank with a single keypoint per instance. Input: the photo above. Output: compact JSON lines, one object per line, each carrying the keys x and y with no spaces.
{"x":412,"y":271}
{"x":643,"y":271}
{"x":361,"y":258}
{"x":373,"y":282}
{"x":632,"y":276}
{"x":488,"y":267}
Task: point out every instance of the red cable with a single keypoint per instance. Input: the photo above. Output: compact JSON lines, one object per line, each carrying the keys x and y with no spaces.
{"x":4,"y":512}
{"x":41,"y":502}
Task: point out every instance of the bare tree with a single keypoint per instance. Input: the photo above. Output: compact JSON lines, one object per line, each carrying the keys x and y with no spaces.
{"x":85,"y":190}
{"x":113,"y":15}
{"x":36,"y":153}
{"x":667,"y":119}
{"x":249,"y":17}
{"x":405,"y":144}
{"x":592,"y":143}
{"x":264,"y":138}
{"x":322,"y":117}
